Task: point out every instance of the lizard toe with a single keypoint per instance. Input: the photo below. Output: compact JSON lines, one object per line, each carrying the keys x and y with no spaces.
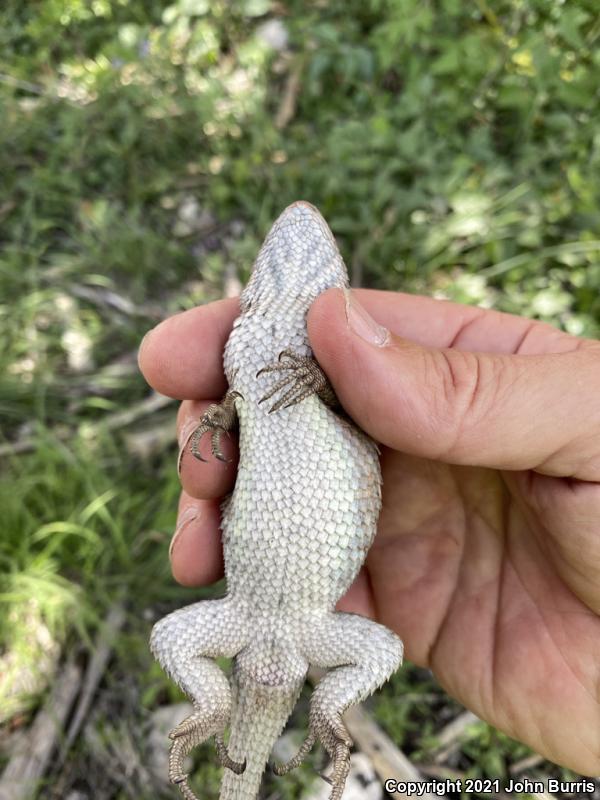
{"x":218,"y":418}
{"x":288,"y":766}
{"x":305,"y":375}
{"x":225,"y":759}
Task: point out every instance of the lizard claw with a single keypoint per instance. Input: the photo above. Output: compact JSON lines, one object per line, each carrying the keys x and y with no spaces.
{"x":306,"y":377}
{"x":195,"y":440}
{"x":279,"y":367}
{"x":218,"y":418}
{"x":181,"y":781}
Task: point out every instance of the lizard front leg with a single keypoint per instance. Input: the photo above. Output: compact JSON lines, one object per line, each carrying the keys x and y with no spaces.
{"x":185,"y":644}
{"x":305,"y":377}
{"x":362,"y":655}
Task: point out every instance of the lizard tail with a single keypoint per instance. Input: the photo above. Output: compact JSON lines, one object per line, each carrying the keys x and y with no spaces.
{"x":259,"y":715}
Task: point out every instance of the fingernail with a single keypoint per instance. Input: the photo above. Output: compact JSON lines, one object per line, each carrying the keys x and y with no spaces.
{"x":362,"y":324}
{"x":187,"y":515}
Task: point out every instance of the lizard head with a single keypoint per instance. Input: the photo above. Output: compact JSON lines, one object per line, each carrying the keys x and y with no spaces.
{"x":299,"y":259}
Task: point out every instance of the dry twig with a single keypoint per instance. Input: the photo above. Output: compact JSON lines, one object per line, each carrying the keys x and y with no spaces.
{"x":120,"y":419}
{"x":449,"y":738}
{"x":525,"y":763}
{"x":389,"y":761}
{"x":103,"y":647}
{"x":287,"y":107}
{"x":29,"y":763}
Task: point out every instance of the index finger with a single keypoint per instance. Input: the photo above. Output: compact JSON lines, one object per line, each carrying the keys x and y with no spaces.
{"x":183,"y":356}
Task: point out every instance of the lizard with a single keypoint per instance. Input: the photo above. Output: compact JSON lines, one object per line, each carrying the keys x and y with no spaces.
{"x":296,"y":530}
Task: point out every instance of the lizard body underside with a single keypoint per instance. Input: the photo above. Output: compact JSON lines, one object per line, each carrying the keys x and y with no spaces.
{"x":296,"y":531}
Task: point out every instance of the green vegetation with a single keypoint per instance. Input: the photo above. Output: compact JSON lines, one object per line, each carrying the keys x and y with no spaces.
{"x":144,"y":150}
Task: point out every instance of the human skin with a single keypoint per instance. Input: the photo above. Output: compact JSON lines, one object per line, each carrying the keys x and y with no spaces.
{"x":487,"y":557}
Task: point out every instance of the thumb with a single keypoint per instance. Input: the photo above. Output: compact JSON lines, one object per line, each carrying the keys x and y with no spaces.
{"x":487,"y":409}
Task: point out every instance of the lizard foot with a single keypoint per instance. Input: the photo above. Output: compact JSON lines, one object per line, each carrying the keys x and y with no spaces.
{"x":306,"y":377}
{"x":219,"y":418}
{"x":189,"y":733}
{"x":360,"y":655}
{"x":336,"y":740}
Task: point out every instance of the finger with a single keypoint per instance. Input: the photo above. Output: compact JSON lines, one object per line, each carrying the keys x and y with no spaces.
{"x":195,"y":551}
{"x":494,"y":410}
{"x":440,"y":323}
{"x":359,"y":597}
{"x":183,"y":356}
{"x":212,"y":478}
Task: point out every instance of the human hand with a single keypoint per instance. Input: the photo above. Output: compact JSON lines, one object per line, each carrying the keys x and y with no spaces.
{"x":487,"y":559}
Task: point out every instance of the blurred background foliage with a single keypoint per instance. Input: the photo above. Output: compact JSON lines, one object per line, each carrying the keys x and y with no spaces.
{"x":145,"y":147}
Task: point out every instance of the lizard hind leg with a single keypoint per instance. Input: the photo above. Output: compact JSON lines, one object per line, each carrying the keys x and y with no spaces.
{"x":185,"y":644}
{"x":218,"y":418}
{"x":361,"y":656}
{"x":306,"y":377}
